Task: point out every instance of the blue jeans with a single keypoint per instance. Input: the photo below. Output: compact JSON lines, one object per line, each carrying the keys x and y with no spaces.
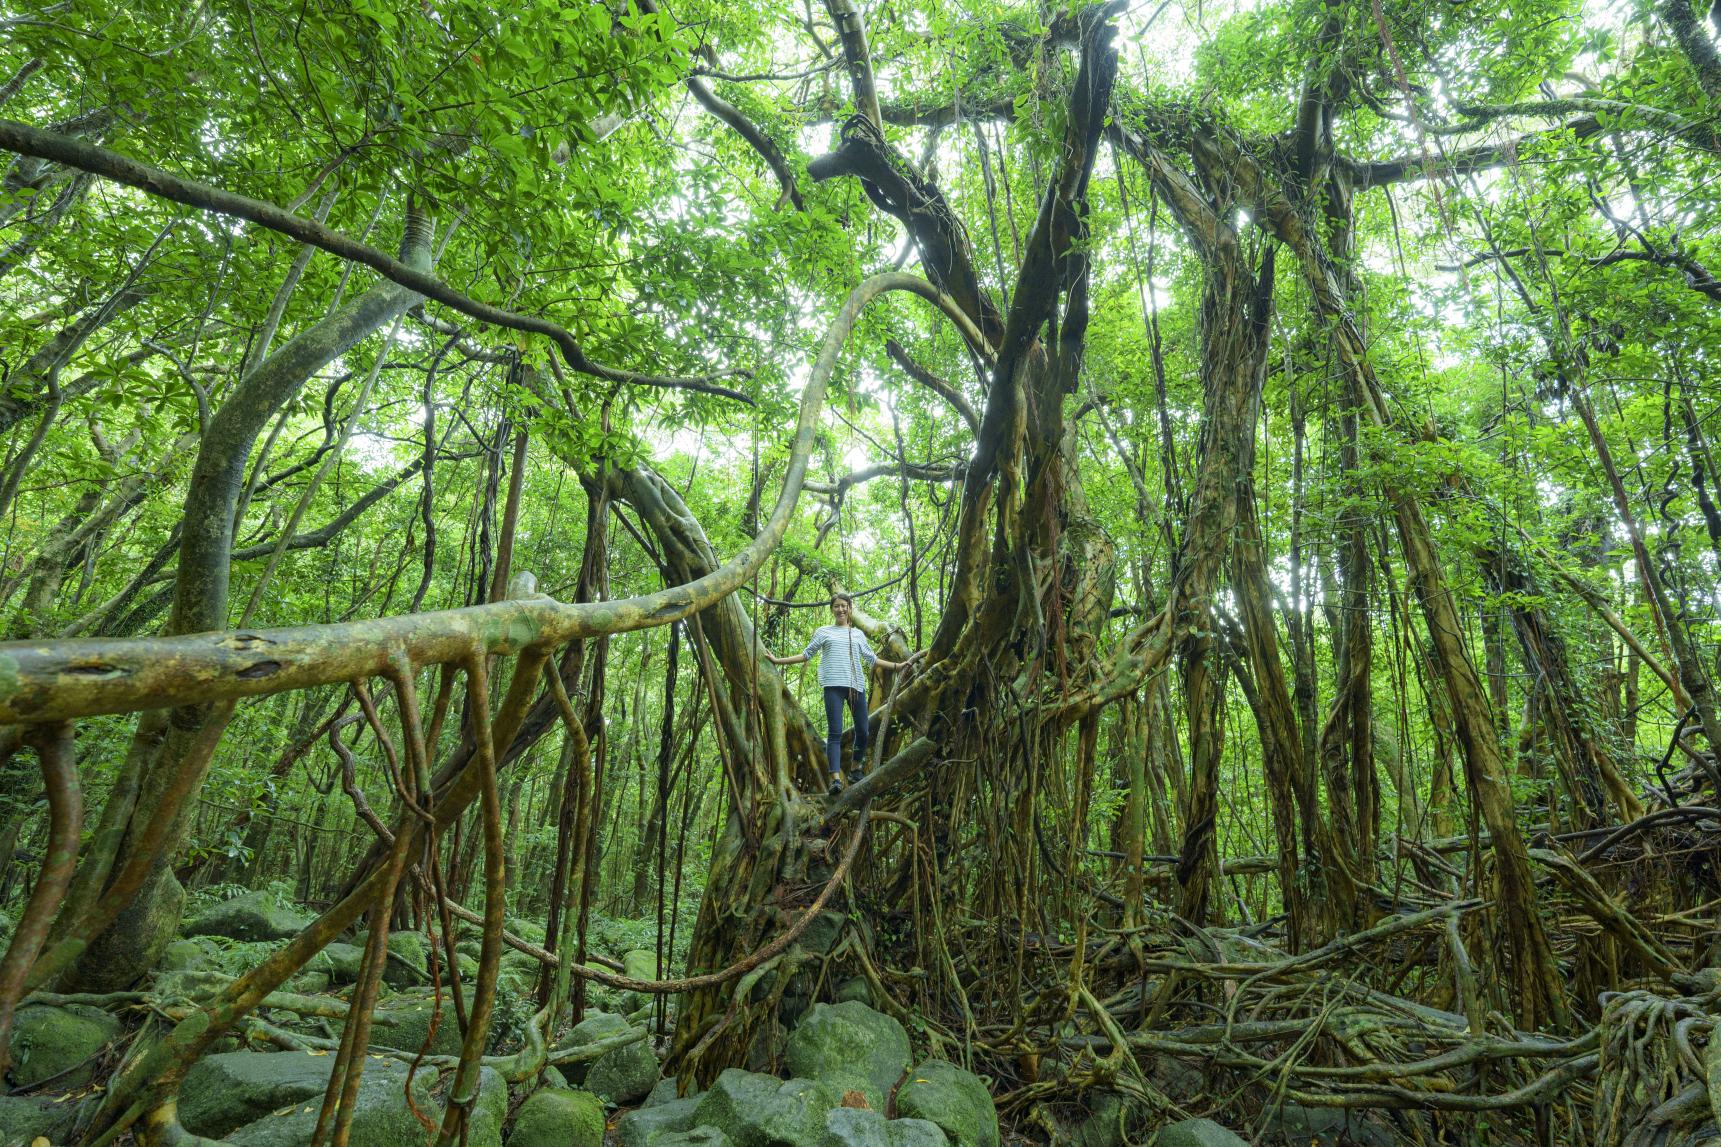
{"x":836,"y":696}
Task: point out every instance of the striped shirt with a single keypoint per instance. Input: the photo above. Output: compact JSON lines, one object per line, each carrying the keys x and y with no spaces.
{"x":842,"y":650}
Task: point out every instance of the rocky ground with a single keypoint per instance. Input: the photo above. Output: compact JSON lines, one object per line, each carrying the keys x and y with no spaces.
{"x":848,"y":1075}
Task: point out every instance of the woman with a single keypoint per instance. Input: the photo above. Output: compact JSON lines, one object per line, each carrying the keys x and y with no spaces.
{"x":842,"y":650}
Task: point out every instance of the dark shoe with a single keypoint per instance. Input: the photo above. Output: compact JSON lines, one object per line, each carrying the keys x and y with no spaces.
{"x":854,"y":777}
{"x":836,"y":787}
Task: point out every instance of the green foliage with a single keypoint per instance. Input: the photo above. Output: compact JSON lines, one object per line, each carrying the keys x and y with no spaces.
{"x":569,"y":174}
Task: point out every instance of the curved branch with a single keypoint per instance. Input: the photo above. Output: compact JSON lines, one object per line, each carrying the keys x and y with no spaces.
{"x":82,"y":677}
{"x":919,"y":471}
{"x":744,"y":127}
{"x":896,"y":188}
{"x":851,"y":30}
{"x":932,"y":382}
{"x":752,"y":133}
{"x":27,"y":140}
{"x":1482,"y":156}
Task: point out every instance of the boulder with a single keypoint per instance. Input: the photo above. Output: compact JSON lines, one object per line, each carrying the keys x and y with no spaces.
{"x":408,"y":964}
{"x":664,"y":1091}
{"x":197,"y":985}
{"x":489,"y":1110}
{"x":309,"y":983}
{"x":624,"y":1075}
{"x":858,"y":1127}
{"x":954,"y":1099}
{"x":763,"y":1111}
{"x":822,"y":932}
{"x":698,"y":1137}
{"x":856,"y":989}
{"x":196,"y":955}
{"x":25,"y":1118}
{"x":404,"y":1022}
{"x":644,"y":1127}
{"x":640,"y":964}
{"x":1172,"y":1077}
{"x":408,"y":960}
{"x":595,"y":1027}
{"x":381,"y":1115}
{"x":1294,"y":1124}
{"x":57,"y":1043}
{"x":343,"y":962}
{"x":1196,"y":1133}
{"x":850,"y":1047}
{"x":517,"y":973}
{"x":1104,"y":1125}
{"x":252,"y":916}
{"x":559,"y":1117}
{"x":223,"y":1093}
{"x":528,"y":930}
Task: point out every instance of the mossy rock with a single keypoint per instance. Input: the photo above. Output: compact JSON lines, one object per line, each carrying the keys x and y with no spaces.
{"x":403,"y":1022}
{"x":342,"y":961}
{"x":223,"y":1093}
{"x":489,"y":1110}
{"x":638,"y":964}
{"x":851,"y":1047}
{"x":1104,"y":1125}
{"x":666,"y":1091}
{"x":1196,"y":1133}
{"x":594,"y":1027}
{"x":625,"y":1075}
{"x":25,"y":1118}
{"x":954,"y":1099}
{"x":309,"y":983}
{"x":559,"y":1117}
{"x":408,"y":963}
{"x":252,"y":916}
{"x":381,"y":1115}
{"x":529,"y":930}
{"x":1294,"y":1125}
{"x":646,"y":1126}
{"x":54,"y":1045}
{"x":763,"y":1111}
{"x":518,"y":972}
{"x":855,"y":990}
{"x":408,"y":960}
{"x":696,"y":1137}
{"x":197,"y":986}
{"x":193,"y":955}
{"x":859,"y":1127}
{"x":822,"y":932}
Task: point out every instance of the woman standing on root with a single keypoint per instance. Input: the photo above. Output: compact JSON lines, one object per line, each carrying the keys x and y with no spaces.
{"x":842,"y":650}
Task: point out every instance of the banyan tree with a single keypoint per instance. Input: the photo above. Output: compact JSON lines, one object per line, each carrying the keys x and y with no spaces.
{"x":1276,"y":436}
